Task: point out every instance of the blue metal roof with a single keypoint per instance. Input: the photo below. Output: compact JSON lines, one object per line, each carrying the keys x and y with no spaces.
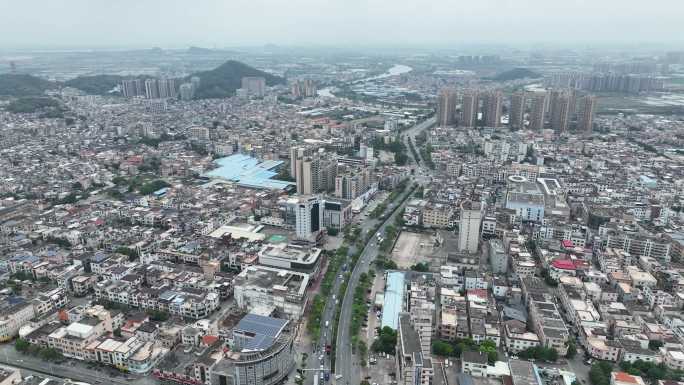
{"x":99,"y":257}
{"x":264,"y":330}
{"x":248,"y":172}
{"x":394,"y":296}
{"x":21,"y":258}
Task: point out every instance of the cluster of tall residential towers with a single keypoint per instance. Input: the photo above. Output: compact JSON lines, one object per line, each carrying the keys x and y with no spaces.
{"x":558,"y":109}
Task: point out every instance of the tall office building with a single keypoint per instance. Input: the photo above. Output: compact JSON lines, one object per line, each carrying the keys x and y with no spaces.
{"x":469,"y":227}
{"x":469,"y":109}
{"x":538,"y":111}
{"x":309,"y":218}
{"x":560,"y":111}
{"x":151,"y":89}
{"x":585,"y":115}
{"x":492,"y":108}
{"x":446,"y":107}
{"x":254,"y":85}
{"x":516,"y":113}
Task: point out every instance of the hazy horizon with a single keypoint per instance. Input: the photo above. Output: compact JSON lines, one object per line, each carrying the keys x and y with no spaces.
{"x":95,"y":24}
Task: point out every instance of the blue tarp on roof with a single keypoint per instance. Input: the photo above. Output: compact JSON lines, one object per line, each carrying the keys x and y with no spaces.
{"x":394,"y":295}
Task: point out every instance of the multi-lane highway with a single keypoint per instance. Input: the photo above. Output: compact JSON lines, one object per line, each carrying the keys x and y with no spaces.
{"x":346,"y":365}
{"x":327,"y":320}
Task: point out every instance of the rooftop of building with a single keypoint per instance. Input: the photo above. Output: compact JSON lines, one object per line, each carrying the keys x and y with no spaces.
{"x":522,"y":372}
{"x":273,"y":278}
{"x":476,"y":357}
{"x":410,"y":340}
{"x":394,"y":295}
{"x":262,"y":331}
{"x":291,"y":252}
{"x":249,"y":172}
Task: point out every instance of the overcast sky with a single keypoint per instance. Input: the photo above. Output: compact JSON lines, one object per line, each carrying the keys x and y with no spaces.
{"x":230,"y":23}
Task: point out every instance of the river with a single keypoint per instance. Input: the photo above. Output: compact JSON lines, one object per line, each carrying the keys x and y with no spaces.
{"x":395,"y":70}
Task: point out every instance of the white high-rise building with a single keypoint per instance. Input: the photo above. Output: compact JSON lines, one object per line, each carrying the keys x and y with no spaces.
{"x":163,"y":88}
{"x":469,"y":227}
{"x":151,"y":89}
{"x":309,"y":218}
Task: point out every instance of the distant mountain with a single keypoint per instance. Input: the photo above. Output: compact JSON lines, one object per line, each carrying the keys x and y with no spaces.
{"x":29,"y":85}
{"x":95,"y":85}
{"x":516,"y":73}
{"x":199,"y":50}
{"x":24,"y":85}
{"x":222,"y":81}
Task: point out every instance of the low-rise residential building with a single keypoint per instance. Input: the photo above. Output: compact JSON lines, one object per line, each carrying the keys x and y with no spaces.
{"x":15,"y":312}
{"x":622,"y":378}
{"x":517,"y":338}
{"x":674,"y":359}
{"x":474,"y":363}
{"x":549,"y":326}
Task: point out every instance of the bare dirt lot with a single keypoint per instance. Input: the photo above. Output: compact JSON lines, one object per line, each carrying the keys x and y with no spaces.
{"x":412,"y":248}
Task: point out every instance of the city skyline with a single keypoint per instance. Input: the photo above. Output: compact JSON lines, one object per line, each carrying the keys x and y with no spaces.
{"x":342,"y":192}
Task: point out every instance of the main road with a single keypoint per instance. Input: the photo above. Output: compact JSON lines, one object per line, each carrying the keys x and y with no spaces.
{"x":346,"y":365}
{"x":314,"y":361}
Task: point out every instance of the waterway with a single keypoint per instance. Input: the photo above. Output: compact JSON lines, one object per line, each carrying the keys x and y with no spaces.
{"x":395,"y":70}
